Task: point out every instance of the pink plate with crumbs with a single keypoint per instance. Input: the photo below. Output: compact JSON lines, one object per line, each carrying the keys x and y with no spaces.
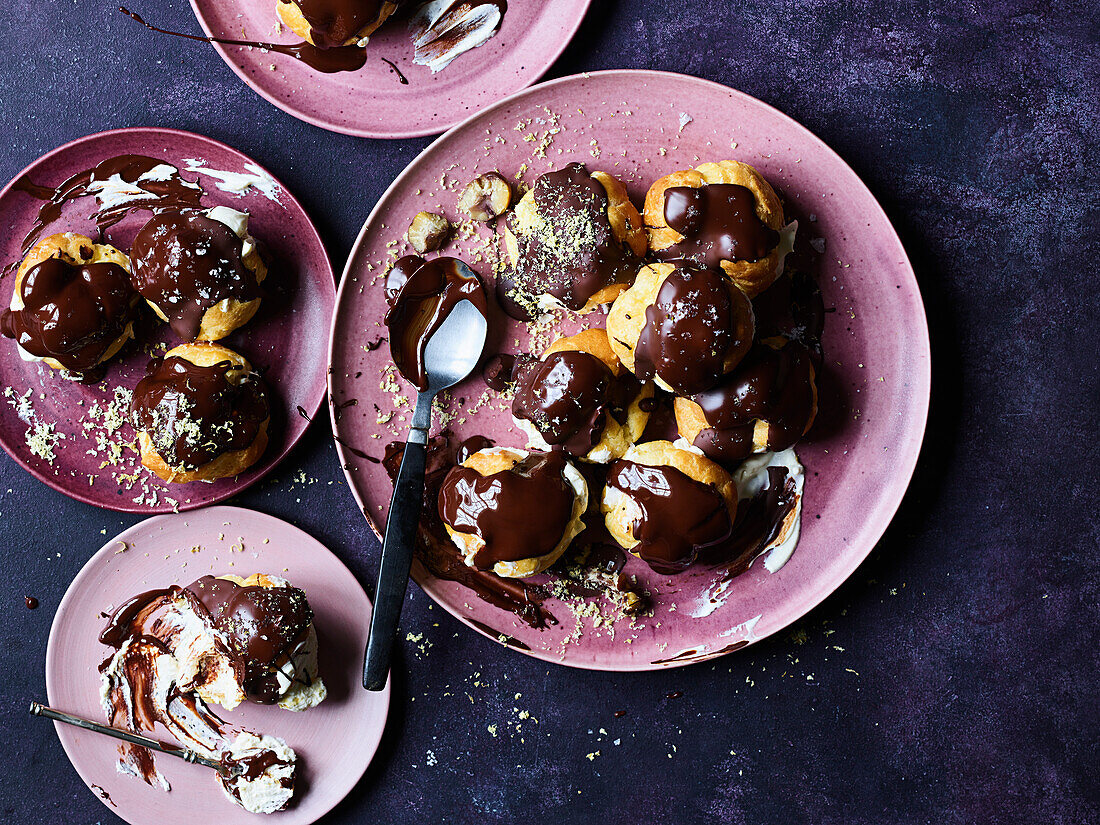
{"x":334,"y":741}
{"x":873,"y":390}
{"x":74,"y":436}
{"x":373,"y":102}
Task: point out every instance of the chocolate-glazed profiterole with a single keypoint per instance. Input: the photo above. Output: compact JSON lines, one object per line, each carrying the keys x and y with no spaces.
{"x":421,"y":295}
{"x":201,"y":414}
{"x":73,"y":306}
{"x":721,"y":214}
{"x":217,"y":640}
{"x":579,"y":398}
{"x":574,"y":240}
{"x":682,"y":324}
{"x":767,"y":403}
{"x":666,"y":505}
{"x":199,"y":271}
{"x":264,"y":623}
{"x":513,"y":512}
{"x":332,"y":23}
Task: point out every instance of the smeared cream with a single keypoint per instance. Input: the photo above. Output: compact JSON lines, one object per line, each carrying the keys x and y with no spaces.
{"x":444,"y":29}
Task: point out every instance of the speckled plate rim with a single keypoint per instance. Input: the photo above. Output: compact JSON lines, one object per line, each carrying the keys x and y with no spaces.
{"x":65,"y":732}
{"x":906,"y":460}
{"x":395,"y":134}
{"x":312,"y":406}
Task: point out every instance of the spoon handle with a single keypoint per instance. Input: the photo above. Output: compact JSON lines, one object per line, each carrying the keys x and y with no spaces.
{"x":397,"y":551}
{"x":38,"y":709}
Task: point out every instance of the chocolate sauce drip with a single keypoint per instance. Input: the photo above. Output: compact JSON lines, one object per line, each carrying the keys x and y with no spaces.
{"x":347,"y":445}
{"x":573,"y":253}
{"x":404,"y":81}
{"x":471,"y":445}
{"x":759,"y":520}
{"x":499,"y":371}
{"x":332,"y":23}
{"x":171,"y":192}
{"x":566,"y":395}
{"x":328,"y":61}
{"x":185,"y":263}
{"x":252,"y":766}
{"x":438,"y":556}
{"x":519,"y":513}
{"x":262,"y":625}
{"x":775,"y":385}
{"x":120,"y":624}
{"x":792,"y":308}
{"x":718,"y":222}
{"x":194,"y":414}
{"x":31,"y":602}
{"x":697,"y":323}
{"x":421,"y":295}
{"x":679,"y":516}
{"x":72,"y":313}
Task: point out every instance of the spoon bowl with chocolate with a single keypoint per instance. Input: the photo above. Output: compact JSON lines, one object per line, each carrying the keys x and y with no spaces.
{"x":438,"y":313}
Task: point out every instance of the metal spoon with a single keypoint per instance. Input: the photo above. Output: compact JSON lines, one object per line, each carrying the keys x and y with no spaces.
{"x":450,"y":354}
{"x":186,"y":755}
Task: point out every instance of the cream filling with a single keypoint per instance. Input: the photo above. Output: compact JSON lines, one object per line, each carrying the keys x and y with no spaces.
{"x":786,"y":245}
{"x":265,"y":793}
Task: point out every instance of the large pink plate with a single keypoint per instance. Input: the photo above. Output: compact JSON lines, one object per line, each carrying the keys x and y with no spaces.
{"x":335,"y":741}
{"x":372,"y":102}
{"x":286,"y":339}
{"x":873,"y":391}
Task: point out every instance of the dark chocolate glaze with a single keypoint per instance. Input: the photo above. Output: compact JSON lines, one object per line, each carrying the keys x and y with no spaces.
{"x":519,"y":513}
{"x":328,"y":61}
{"x":679,"y":516}
{"x":573,"y":254}
{"x":333,"y":23}
{"x":758,"y":522}
{"x":421,"y":295}
{"x":471,"y":445}
{"x":72,"y":313}
{"x":436,"y":554}
{"x":185,"y":263}
{"x":792,"y":308}
{"x":194,"y":414}
{"x":776,"y":385}
{"x":120,"y":623}
{"x":718,"y":222}
{"x":171,"y":193}
{"x":698,"y":322}
{"x":262,"y":625}
{"x":499,"y":371}
{"x":566,"y":395}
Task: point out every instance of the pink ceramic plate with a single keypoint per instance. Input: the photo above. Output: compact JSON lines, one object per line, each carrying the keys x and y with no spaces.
{"x":286,"y":339}
{"x":372,"y":102}
{"x":335,"y":741}
{"x":873,"y":391}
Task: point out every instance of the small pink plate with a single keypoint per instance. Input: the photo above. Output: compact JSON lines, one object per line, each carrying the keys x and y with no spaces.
{"x":372,"y":102}
{"x":873,"y":392}
{"x":335,"y":741}
{"x":286,"y":340}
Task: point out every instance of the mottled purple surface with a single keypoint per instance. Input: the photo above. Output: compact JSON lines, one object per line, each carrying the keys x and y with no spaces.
{"x":953,"y":679}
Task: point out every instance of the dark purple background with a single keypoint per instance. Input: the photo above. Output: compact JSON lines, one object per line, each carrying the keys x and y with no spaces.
{"x":954,"y":677}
